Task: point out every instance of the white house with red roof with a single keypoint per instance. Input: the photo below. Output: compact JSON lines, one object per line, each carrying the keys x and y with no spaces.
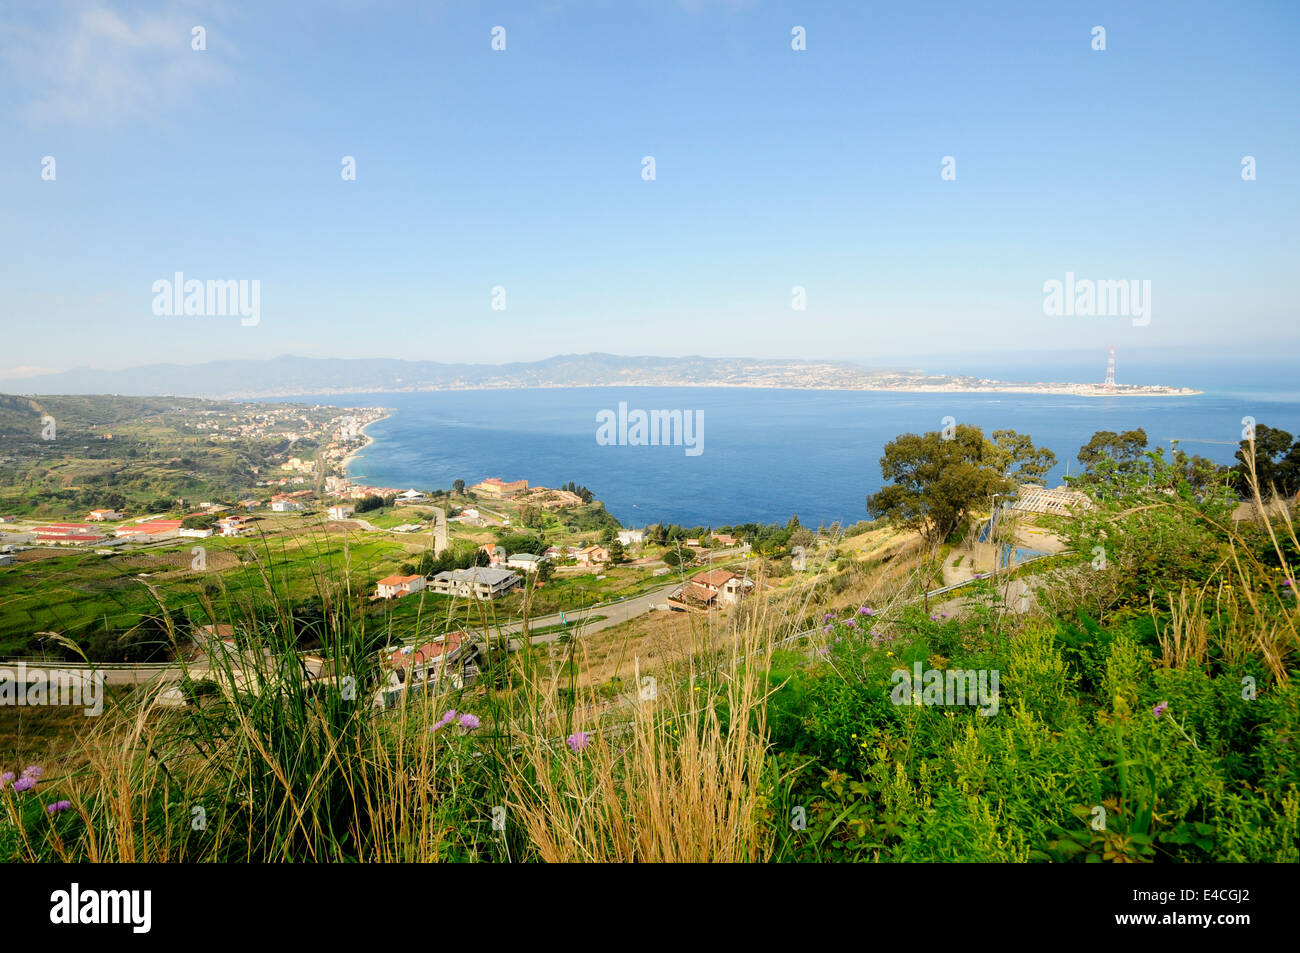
{"x":394,"y":587}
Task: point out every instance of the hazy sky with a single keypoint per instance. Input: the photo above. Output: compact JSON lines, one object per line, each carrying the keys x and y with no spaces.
{"x":522,"y":168}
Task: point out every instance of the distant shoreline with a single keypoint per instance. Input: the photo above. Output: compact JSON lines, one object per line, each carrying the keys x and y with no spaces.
{"x":360,"y":451}
{"x":1045,"y":390}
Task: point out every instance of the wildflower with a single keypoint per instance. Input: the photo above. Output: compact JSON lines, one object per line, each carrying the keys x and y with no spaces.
{"x":578,"y":740}
{"x":24,"y":784}
{"x":823,"y":651}
{"x":448,"y":717}
{"x":6,"y":778}
{"x":852,"y":623}
{"x":57,"y":806}
{"x":827,"y":617}
{"x":33,"y":771}
{"x":934,"y":617}
{"x":828,"y":629}
{"x":866,"y":610}
{"x":469,"y":722}
{"x":890,"y":654}
{"x":1287,"y":582}
{"x":1160,"y":709}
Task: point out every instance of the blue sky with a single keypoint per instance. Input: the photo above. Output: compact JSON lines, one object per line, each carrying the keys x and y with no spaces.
{"x":522,"y":168}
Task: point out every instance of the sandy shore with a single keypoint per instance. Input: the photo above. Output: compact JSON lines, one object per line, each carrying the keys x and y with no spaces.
{"x":360,"y":451}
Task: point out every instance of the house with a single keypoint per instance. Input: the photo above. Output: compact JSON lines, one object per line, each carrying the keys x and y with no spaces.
{"x":496,"y":555}
{"x":478,"y":582}
{"x":629,"y":537}
{"x":410,"y":496}
{"x":446,"y":662}
{"x":722,"y":539}
{"x":340,"y":512}
{"x":592,"y":556}
{"x":285,"y":505}
{"x":525,"y":561}
{"x":194,"y":533}
{"x":553,"y":552}
{"x":709,"y":590}
{"x":394,"y":587}
{"x":233,"y":525}
{"x":98,"y":516}
{"x":8,"y":519}
{"x":501,"y":489}
{"x":6,"y":559}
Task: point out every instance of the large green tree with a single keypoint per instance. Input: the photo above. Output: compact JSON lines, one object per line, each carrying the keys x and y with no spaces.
{"x":935,"y":483}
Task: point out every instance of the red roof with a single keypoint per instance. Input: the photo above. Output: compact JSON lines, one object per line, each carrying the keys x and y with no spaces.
{"x":397,"y":580}
{"x":157,"y":526}
{"x":79,"y":537}
{"x":406,"y":657}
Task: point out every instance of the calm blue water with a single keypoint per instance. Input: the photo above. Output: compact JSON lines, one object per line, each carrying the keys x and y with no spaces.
{"x":767,"y":453}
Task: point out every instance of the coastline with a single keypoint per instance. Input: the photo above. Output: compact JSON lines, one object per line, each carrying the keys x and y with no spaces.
{"x":1044,"y":390}
{"x":360,"y":451}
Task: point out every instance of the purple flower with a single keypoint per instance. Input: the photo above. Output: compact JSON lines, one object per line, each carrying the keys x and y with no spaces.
{"x":828,"y":628}
{"x":823,"y":651}
{"x":1160,"y":709}
{"x":449,"y":716}
{"x":934,"y":617}
{"x":24,"y":784}
{"x":866,"y":610}
{"x":1286,"y":582}
{"x":827,"y":617}
{"x":578,"y":740}
{"x":58,"y":806}
{"x":6,"y":778}
{"x":33,"y":771}
{"x":469,"y":721}
{"x":852,"y":623}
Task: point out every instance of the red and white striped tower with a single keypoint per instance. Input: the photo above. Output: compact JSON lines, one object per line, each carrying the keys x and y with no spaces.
{"x":1110,"y":370}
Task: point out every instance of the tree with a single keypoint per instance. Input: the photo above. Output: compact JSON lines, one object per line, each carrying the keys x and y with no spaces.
{"x":679,"y":559}
{"x":1125,"y":449}
{"x":458,"y":487}
{"x":1277,"y":462}
{"x":937,"y":482}
{"x":616,"y":553}
{"x":1018,"y":460}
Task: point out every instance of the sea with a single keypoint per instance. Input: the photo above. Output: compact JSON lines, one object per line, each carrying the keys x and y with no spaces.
{"x":768,"y":454}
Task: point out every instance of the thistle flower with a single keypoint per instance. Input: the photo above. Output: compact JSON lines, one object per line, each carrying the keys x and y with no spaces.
{"x":24,"y":784}
{"x":469,"y":722}
{"x":578,"y":740}
{"x":6,"y":778}
{"x":866,"y":610}
{"x":1160,"y":709}
{"x":33,"y":771}
{"x":852,"y":623}
{"x":57,"y":806}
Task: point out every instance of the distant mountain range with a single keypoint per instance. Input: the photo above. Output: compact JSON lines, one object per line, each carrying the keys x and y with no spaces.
{"x":288,"y":376}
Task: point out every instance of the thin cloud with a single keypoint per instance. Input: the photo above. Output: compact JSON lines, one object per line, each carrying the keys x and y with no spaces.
{"x":99,"y":66}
